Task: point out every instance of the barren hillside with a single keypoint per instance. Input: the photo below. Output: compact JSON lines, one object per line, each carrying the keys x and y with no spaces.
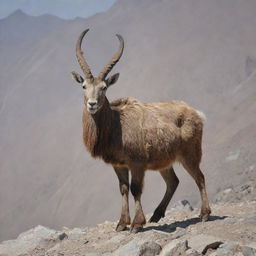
{"x":200,"y":51}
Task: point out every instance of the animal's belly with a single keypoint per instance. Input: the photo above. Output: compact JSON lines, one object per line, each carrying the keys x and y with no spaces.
{"x":160,"y":163}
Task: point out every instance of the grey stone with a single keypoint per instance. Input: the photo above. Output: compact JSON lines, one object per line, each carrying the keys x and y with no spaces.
{"x":192,"y":252}
{"x":183,"y":205}
{"x":179,"y":233}
{"x":227,"y":191}
{"x":200,"y":242}
{"x":63,"y":236}
{"x":252,"y":245}
{"x":37,"y":233}
{"x":75,"y":233}
{"x":150,"y":249}
{"x":175,"y":248}
{"x":115,"y":239}
{"x":29,"y":240}
{"x":234,"y":249}
{"x":138,"y":247}
{"x":131,"y":248}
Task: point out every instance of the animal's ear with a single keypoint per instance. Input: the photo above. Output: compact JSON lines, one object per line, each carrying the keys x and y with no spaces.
{"x":77,"y":77}
{"x":111,"y":80}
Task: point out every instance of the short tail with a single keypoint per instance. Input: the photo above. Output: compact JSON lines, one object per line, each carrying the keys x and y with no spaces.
{"x":202,"y":115}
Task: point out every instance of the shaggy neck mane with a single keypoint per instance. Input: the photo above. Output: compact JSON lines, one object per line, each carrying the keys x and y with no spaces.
{"x":97,"y":130}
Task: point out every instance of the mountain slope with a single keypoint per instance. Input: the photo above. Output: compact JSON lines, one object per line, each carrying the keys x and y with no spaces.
{"x":198,"y":51}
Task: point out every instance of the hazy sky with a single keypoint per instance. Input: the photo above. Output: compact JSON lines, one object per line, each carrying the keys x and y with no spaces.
{"x":67,"y":9}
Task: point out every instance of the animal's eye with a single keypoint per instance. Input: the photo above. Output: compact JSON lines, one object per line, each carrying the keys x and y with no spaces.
{"x":84,"y":87}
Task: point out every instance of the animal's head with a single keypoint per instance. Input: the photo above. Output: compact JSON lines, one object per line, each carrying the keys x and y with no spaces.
{"x":95,"y":87}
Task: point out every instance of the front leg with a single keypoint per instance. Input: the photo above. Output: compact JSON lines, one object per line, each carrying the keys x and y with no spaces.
{"x":136,"y":189}
{"x":123,"y":177}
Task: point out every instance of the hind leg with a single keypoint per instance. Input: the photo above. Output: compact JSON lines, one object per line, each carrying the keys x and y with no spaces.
{"x":193,"y":169}
{"x":172,"y":182}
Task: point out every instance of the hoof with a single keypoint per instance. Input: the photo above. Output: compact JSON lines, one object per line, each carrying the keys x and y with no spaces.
{"x":157,"y":215}
{"x":155,"y":218}
{"x":205,"y":214}
{"x":135,"y":230}
{"x":120,"y":227}
{"x":204,"y":217}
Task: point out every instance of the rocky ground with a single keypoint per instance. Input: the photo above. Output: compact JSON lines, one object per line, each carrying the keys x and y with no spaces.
{"x":231,"y":231}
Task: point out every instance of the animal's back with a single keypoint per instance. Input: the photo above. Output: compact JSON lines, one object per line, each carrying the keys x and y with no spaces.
{"x":157,"y":131}
{"x":176,"y":115}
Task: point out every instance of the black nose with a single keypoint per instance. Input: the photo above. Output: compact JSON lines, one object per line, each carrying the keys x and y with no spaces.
{"x":92,"y":103}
